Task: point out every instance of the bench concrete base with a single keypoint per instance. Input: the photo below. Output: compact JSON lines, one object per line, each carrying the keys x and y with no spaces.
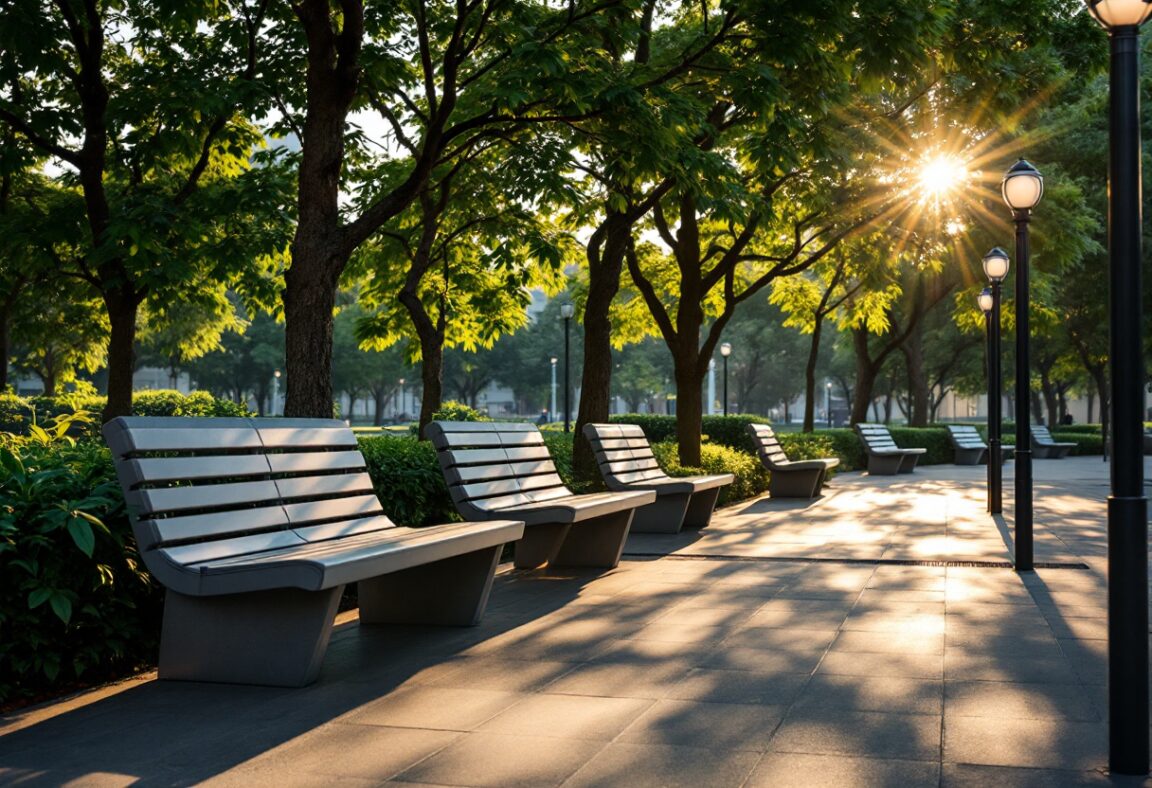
{"x":665,"y":516}
{"x":804,"y":483}
{"x":276,"y":638}
{"x":970,"y":456}
{"x":596,"y":542}
{"x":450,"y":592}
{"x":700,"y":508}
{"x":891,"y":464}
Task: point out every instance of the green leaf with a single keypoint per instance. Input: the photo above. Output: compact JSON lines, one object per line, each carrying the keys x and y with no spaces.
{"x":39,"y":597}
{"x":61,"y":606}
{"x":81,"y":532}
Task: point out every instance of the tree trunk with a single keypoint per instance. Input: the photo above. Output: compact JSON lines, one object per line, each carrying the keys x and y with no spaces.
{"x":1037,"y":408}
{"x":5,"y":346}
{"x":605,"y":254}
{"x":431,"y":376}
{"x":689,"y":402}
{"x":379,"y":400}
{"x":122,"y":308}
{"x":810,"y":378}
{"x":865,"y":377}
{"x":913,"y":350}
{"x":1091,"y":405}
{"x":309,"y":298}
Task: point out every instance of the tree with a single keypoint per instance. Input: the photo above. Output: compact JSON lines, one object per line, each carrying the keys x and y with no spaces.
{"x":59,"y":332}
{"x":105,"y":90}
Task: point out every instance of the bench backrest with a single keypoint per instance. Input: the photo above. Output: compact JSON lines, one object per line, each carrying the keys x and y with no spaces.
{"x":623,"y":454}
{"x":492,"y":465}
{"x":202,"y":489}
{"x":1041,"y":435}
{"x":767,"y":445}
{"x":966,"y":436}
{"x":876,"y":437}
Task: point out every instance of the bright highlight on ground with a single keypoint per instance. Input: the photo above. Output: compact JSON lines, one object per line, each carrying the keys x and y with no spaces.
{"x":941,"y":175}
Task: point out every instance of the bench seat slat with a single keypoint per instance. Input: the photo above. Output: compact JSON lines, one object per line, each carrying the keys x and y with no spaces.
{"x":303,"y":462}
{"x":171,"y":469}
{"x":343,"y":528}
{"x":190,"y":439}
{"x":192,"y":554}
{"x":304,"y":433}
{"x":340,"y":484}
{"x":332,"y":508}
{"x":204,"y":526}
{"x":174,"y":499}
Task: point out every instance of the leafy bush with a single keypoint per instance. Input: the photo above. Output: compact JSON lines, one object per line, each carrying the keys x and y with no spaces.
{"x":16,"y":413}
{"x":458,"y":411}
{"x":934,"y":439}
{"x":751,"y":478}
{"x":807,"y":445}
{"x":845,"y":444}
{"x":75,"y":605}
{"x":731,"y":431}
{"x":1086,"y":443}
{"x":407,"y":478}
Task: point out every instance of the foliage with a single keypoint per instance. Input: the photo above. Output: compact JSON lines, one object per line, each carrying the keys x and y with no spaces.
{"x":18,"y":413}
{"x":1086,"y":443}
{"x":75,"y":603}
{"x":807,"y":445}
{"x":934,"y":439}
{"x":845,"y":444}
{"x":458,"y":411}
{"x":731,"y":431}
{"x":751,"y":477}
{"x":407,"y":478}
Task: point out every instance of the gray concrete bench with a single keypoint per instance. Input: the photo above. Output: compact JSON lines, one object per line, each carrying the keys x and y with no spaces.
{"x":627,"y":463}
{"x":1044,"y":448}
{"x":885,"y":458}
{"x":970,"y":447}
{"x":789,"y":478}
{"x":497,"y":470}
{"x":254,"y":526}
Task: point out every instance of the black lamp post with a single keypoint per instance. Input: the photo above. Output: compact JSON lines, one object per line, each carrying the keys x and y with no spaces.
{"x":1127,"y":506}
{"x":725,"y":352}
{"x":995,"y":268}
{"x":984,"y":301}
{"x":1022,"y":188}
{"x":566,"y":312}
{"x":828,"y":402}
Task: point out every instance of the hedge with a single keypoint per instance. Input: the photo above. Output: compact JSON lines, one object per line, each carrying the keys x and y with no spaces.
{"x":729,"y":431}
{"x":16,"y":413}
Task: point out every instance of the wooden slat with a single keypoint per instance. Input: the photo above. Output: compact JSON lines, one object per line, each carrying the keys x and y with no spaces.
{"x":315,"y":461}
{"x":329,"y":509}
{"x":174,"y":499}
{"x":339,"y":484}
{"x":170,"y":469}
{"x":218,"y":524}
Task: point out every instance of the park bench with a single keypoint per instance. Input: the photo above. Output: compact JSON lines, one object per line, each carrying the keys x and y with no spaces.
{"x":254,"y":526}
{"x":627,"y":463}
{"x":789,"y":478}
{"x":885,"y":458}
{"x":970,"y":447}
{"x":498,"y":470}
{"x":1044,"y":448}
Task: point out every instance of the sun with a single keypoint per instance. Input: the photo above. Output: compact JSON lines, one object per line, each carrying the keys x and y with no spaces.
{"x":941,"y":175}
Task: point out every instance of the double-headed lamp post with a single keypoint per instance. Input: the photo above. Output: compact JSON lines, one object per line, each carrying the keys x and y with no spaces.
{"x":1022,"y":188}
{"x":1127,"y":506}
{"x":567,"y":311}
{"x":996,"y":267}
{"x":725,"y":352}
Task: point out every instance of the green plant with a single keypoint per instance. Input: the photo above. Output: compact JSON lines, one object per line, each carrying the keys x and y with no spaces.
{"x":934,"y":439}
{"x":1086,"y":443}
{"x":407,"y":478}
{"x":731,"y":431}
{"x":751,"y":478}
{"x":75,"y":605}
{"x":458,"y":411}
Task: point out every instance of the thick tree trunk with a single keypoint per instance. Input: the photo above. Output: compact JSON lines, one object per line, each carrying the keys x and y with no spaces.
{"x":913,"y":350}
{"x":865,"y":377}
{"x":432,"y":378}
{"x":689,"y":403}
{"x":122,"y":308}
{"x":605,"y":263}
{"x":309,"y":298}
{"x":810,"y":377}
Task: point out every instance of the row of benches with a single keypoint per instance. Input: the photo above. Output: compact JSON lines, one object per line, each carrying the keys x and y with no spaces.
{"x":255,"y":526}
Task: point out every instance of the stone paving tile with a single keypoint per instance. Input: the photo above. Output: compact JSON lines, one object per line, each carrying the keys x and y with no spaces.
{"x":622,"y":680}
{"x":910,"y":696}
{"x":890,"y":643}
{"x":968,"y":666}
{"x":439,"y":708}
{"x":491,"y":759}
{"x":718,"y":726}
{"x":487,"y":673}
{"x":1043,"y":744}
{"x":653,"y":652}
{"x":739,"y":686}
{"x":659,"y":766}
{"x":1001,"y":644}
{"x":800,"y":770}
{"x":836,"y":731}
{"x":763,"y":660}
{"x":1018,"y":700}
{"x":963,"y":775}
{"x":847,"y":663}
{"x":568,"y":716}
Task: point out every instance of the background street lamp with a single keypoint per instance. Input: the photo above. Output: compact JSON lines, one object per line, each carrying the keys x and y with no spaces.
{"x":726,"y":351}
{"x":996,"y":267}
{"x":1127,"y":506}
{"x":275,"y":390}
{"x":1022,"y":188}
{"x":401,"y":411}
{"x":984,"y":301}
{"x":552,"y":412}
{"x":566,"y":312}
{"x":828,"y":402}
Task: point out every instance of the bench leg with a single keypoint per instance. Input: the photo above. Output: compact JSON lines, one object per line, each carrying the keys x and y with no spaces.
{"x":274,"y":638}
{"x":884,"y":464}
{"x":540,"y":544}
{"x":908,"y":463}
{"x":596,"y":542}
{"x":701,"y":507}
{"x":795,"y":484}
{"x":664,"y":516}
{"x":453,"y":591}
{"x":970,"y":456}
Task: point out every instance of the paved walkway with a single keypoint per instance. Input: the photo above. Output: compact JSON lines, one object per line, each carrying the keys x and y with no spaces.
{"x":873,"y":637}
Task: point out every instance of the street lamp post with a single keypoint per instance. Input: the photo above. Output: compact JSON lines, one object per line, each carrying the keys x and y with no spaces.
{"x":1022,"y":189}
{"x":552,"y":412}
{"x":995,"y":268}
{"x":401,"y":411}
{"x":984,"y":300}
{"x":275,"y":390}
{"x":828,"y":402}
{"x":1127,"y":506}
{"x":725,"y":352}
{"x":566,"y":312}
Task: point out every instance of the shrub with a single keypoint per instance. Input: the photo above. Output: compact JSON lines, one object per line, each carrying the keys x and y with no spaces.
{"x":458,"y":411}
{"x":845,"y":444}
{"x":807,"y":445}
{"x":75,"y":605}
{"x":407,"y":478}
{"x":751,"y":477}
{"x":731,"y":431}
{"x":934,"y":439}
{"x":1086,"y":443}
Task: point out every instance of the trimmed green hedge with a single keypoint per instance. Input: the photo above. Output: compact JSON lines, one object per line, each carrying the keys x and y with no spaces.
{"x":1085,"y":443}
{"x":729,"y":431}
{"x":751,"y":478}
{"x":407,"y":478}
